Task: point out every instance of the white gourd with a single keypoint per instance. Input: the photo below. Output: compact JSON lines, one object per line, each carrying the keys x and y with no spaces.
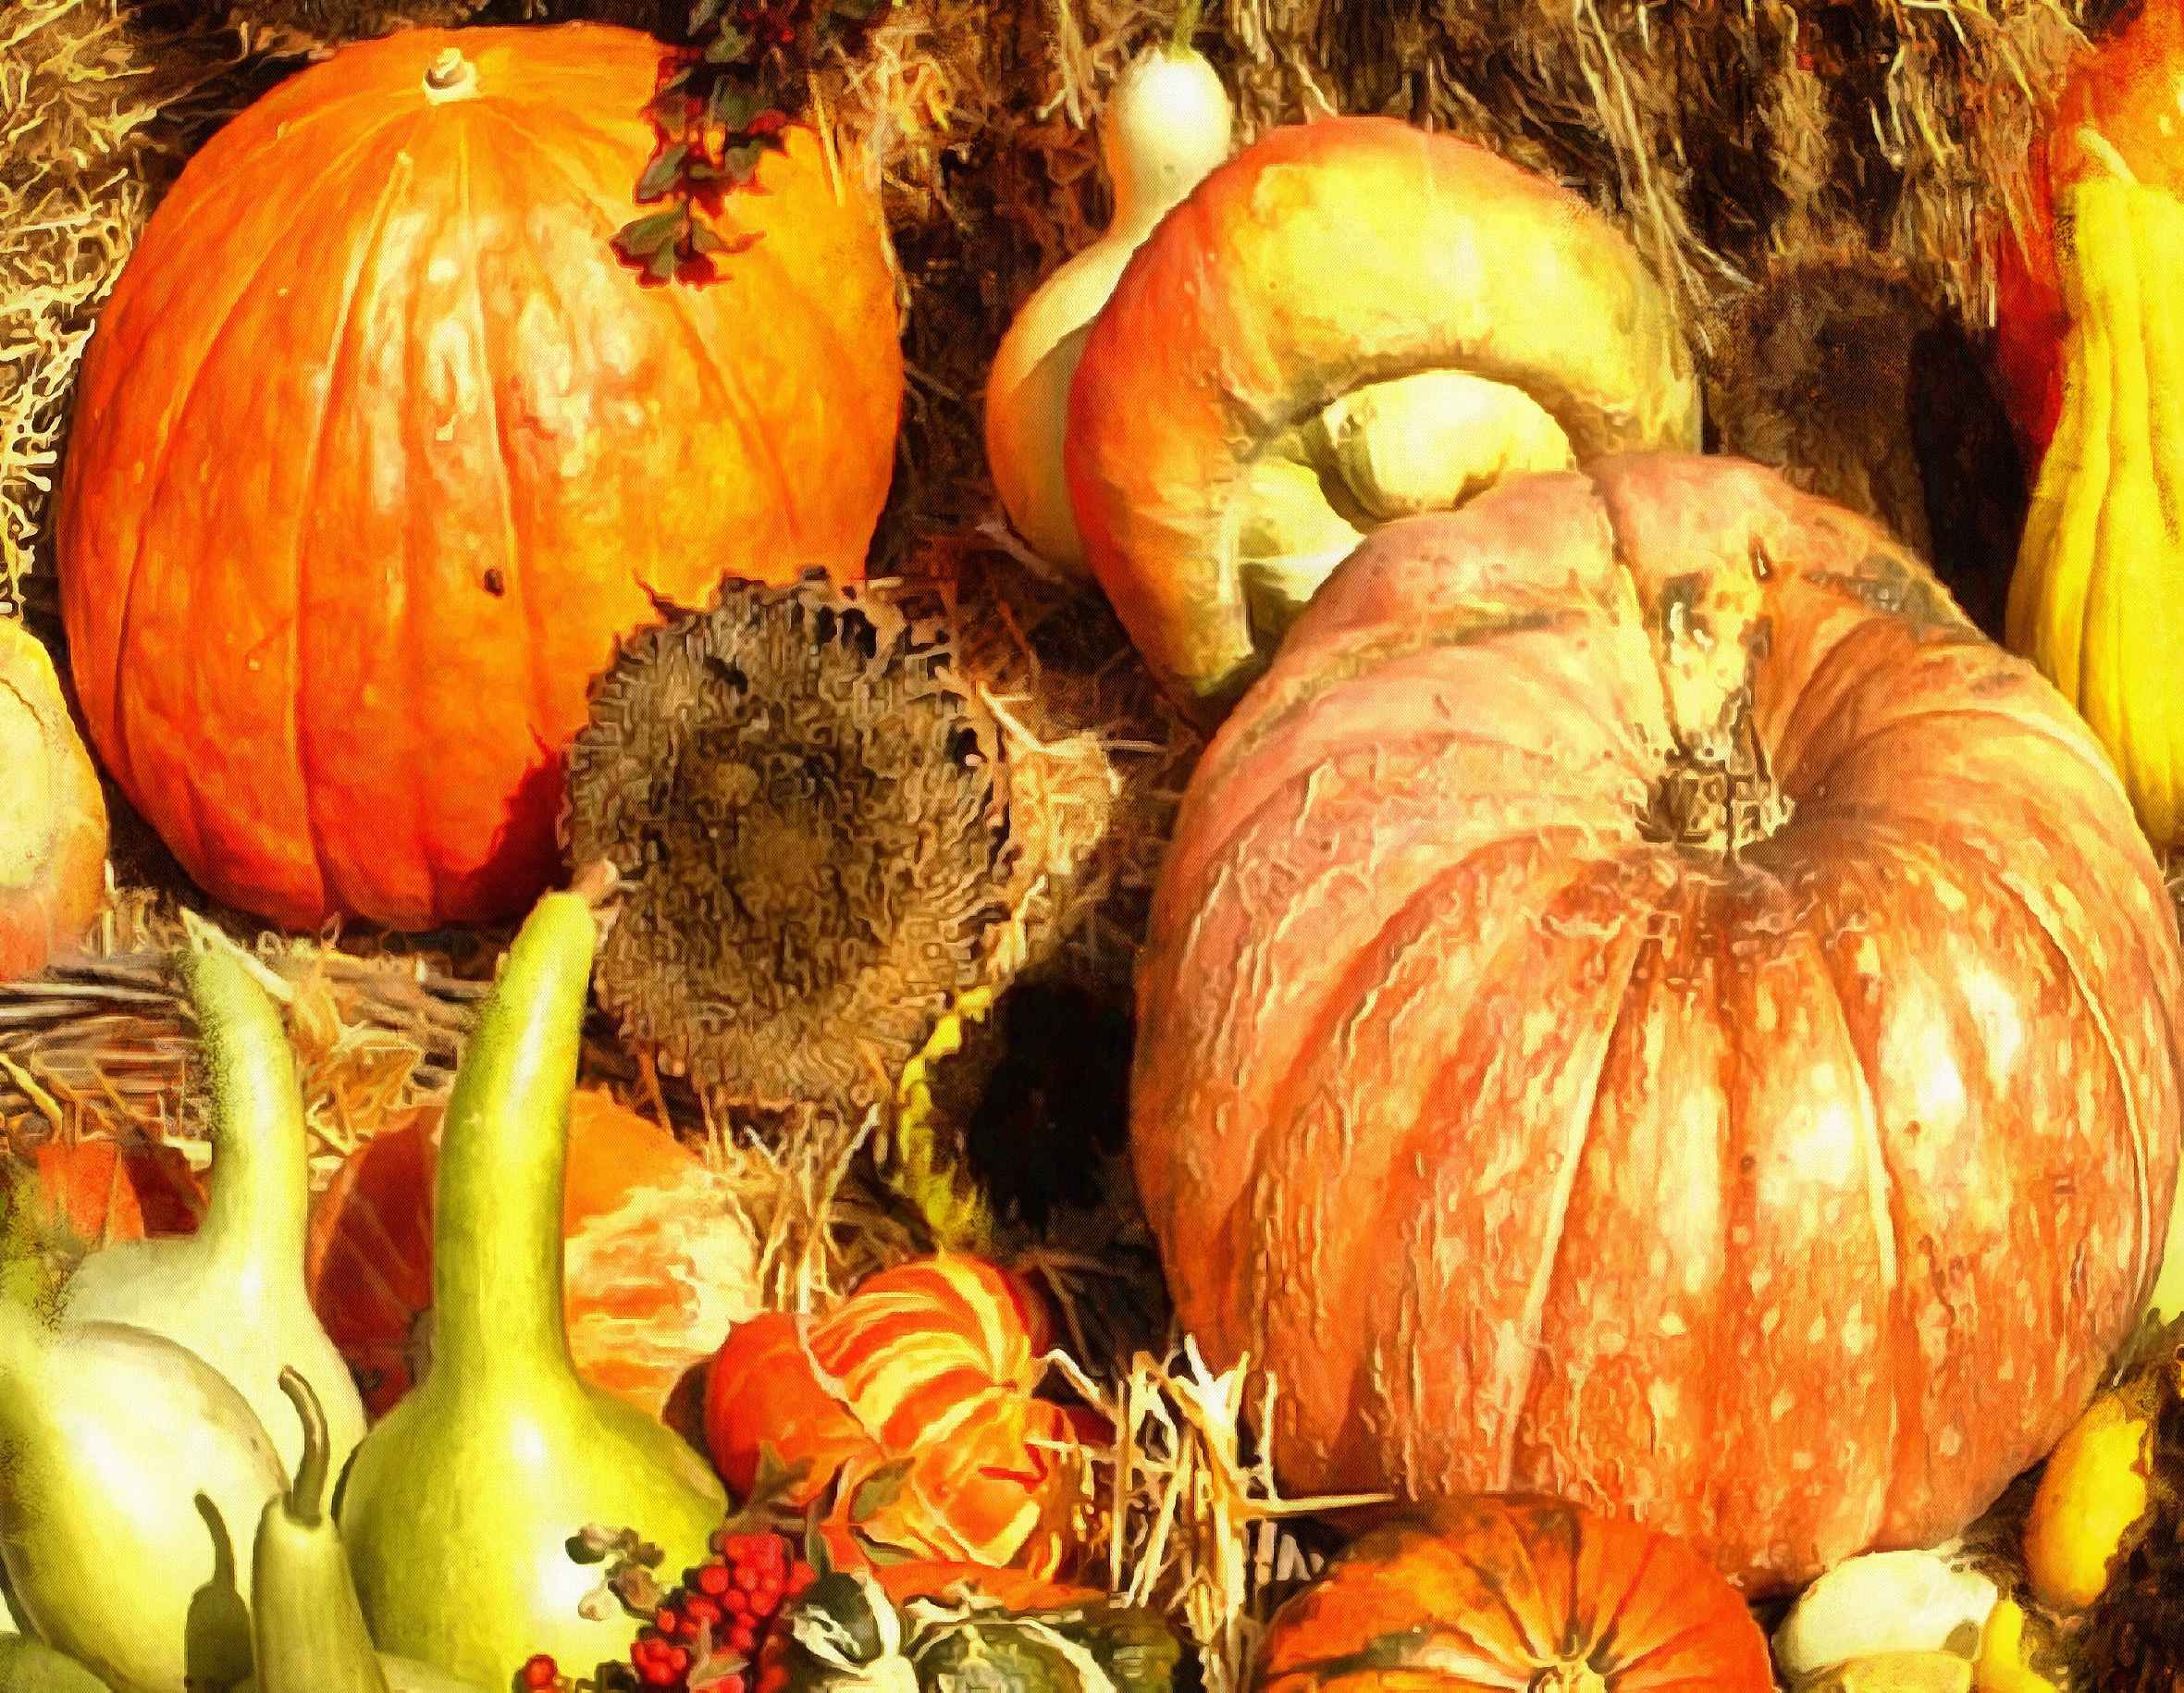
{"x":1167,"y":123}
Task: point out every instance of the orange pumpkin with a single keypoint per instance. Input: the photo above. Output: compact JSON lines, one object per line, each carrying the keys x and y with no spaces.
{"x":1646,"y":1003}
{"x":380,"y":448}
{"x":1516,"y":1591}
{"x":2120,"y":104}
{"x":927,"y":1369}
{"x":102,"y":1191}
{"x":53,"y":817}
{"x":659,"y":1259}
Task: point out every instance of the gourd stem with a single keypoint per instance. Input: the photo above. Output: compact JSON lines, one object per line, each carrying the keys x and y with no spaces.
{"x":261,"y":1180}
{"x":497,"y":1293}
{"x":306,"y":1495}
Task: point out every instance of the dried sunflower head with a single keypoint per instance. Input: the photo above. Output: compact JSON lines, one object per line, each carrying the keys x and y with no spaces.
{"x":809,"y":818}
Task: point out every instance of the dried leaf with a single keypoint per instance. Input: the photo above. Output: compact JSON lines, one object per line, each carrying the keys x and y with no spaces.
{"x":663,"y":173}
{"x":730,"y":46}
{"x":646,"y":235}
{"x":879,"y":1490}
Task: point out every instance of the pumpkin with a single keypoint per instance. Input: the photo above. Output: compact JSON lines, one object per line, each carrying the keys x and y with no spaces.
{"x":380,"y":448}
{"x":1646,"y":1003}
{"x":2119,"y":108}
{"x":1515,"y":1591}
{"x":53,"y":828}
{"x":912,"y":1401}
{"x":660,"y":1257}
{"x":103,"y":1191}
{"x":1350,"y":320}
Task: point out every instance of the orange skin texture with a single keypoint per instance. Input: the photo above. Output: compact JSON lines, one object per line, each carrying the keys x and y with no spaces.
{"x":1327,"y":256}
{"x":103,"y":1192}
{"x":53,"y":842}
{"x":1490,"y":1593}
{"x":933,"y":1361}
{"x":380,"y":449}
{"x":634,"y":1328}
{"x":2129,"y":89}
{"x":1789,"y":1203}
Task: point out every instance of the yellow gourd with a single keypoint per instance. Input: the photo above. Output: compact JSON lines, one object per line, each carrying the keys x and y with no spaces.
{"x":2098,"y":596}
{"x":2009,"y":1655}
{"x":1167,"y":123}
{"x":2092,"y":1502}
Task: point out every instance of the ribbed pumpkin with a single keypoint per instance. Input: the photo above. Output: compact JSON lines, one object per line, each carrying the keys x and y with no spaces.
{"x":379,"y":448}
{"x":660,"y":1260}
{"x":927,"y":1371}
{"x":1515,"y":1592}
{"x":1646,"y":1003}
{"x":53,"y":817}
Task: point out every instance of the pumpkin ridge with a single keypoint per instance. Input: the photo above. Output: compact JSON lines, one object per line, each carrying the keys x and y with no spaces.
{"x":246,"y":290}
{"x":1495,"y":1587}
{"x":1901,"y":1329}
{"x":1607,"y":1630}
{"x":341,"y":364}
{"x":511,"y":574}
{"x":1538,"y":1298}
{"x":736,"y":400}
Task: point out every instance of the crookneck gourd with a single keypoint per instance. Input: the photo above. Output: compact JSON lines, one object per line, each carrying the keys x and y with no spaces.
{"x":2097,"y":598}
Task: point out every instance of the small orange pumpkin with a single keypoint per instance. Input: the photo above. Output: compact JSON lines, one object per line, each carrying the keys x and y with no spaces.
{"x":1515,"y":1590}
{"x":52,"y":818}
{"x":927,"y":1371}
{"x":381,"y":448}
{"x":658,"y":1256}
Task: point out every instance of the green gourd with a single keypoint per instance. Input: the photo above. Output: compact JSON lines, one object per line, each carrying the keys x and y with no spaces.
{"x":234,"y":1291}
{"x":128,"y":1467}
{"x":306,"y":1626}
{"x":459,"y":1506}
{"x":29,"y":1666}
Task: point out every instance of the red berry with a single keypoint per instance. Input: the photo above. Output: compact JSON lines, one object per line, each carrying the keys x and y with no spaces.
{"x":679,"y":1658}
{"x":699,"y":1609}
{"x":742,"y":1639}
{"x":540,"y":1670}
{"x":728,"y":1684}
{"x":746,"y":1577}
{"x":713,"y":1579}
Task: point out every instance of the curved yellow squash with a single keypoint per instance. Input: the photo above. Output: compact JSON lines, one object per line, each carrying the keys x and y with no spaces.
{"x":2097,"y":601}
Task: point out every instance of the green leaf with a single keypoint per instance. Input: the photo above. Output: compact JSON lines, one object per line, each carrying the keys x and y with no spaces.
{"x":703,"y":12}
{"x":730,"y":46}
{"x":879,"y":1490}
{"x":660,"y":267}
{"x":815,"y":1545}
{"x":703,"y":238}
{"x":647,"y":235}
{"x":664,"y":172}
{"x":733,"y":106}
{"x":740,"y":164}
{"x":773,"y":1477}
{"x":880,"y":1551}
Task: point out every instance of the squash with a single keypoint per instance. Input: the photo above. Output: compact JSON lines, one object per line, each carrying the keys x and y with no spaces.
{"x":1515,"y":1591}
{"x":1167,"y":122}
{"x":1349,"y":319}
{"x":381,"y":448}
{"x":912,"y":1403}
{"x":1645,"y":1003}
{"x":53,"y":829}
{"x":659,"y":1256}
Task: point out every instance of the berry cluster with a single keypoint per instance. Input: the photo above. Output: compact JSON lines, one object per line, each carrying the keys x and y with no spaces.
{"x":705,"y":1636}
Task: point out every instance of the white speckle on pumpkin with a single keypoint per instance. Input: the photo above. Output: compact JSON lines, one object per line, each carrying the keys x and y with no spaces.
{"x":1671,"y":1324}
{"x":1781,"y":1406}
{"x":1950,"y":1441}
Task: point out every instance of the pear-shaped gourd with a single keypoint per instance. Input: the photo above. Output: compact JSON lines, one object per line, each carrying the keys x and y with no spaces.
{"x":30,"y":1666}
{"x":234,"y":1291}
{"x":459,"y":1506}
{"x":130,"y":1474}
{"x":306,"y":1627}
{"x":1168,"y":122}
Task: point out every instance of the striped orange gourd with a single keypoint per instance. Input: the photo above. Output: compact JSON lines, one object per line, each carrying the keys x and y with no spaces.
{"x":927,"y":1374}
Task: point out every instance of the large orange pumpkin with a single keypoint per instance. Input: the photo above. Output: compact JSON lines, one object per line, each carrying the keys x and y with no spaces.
{"x":53,"y":817}
{"x":2123,"y":102}
{"x":1646,"y":1003}
{"x":379,"y":449}
{"x":927,"y":1371}
{"x":659,"y":1257}
{"x":1515,"y":1592}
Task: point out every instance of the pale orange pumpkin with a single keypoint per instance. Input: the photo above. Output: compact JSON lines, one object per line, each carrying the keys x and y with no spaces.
{"x":53,"y":817}
{"x":927,"y":1370}
{"x":380,"y":448}
{"x":1501,"y":1592}
{"x":1646,"y":1003}
{"x":659,"y":1259}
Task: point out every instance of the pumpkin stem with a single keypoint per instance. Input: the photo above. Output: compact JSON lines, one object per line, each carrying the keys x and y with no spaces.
{"x":449,"y":76}
{"x":1570,"y":1678}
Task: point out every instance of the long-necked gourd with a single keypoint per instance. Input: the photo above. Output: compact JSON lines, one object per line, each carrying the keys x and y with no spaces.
{"x":459,"y":1506}
{"x":234,"y":1291}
